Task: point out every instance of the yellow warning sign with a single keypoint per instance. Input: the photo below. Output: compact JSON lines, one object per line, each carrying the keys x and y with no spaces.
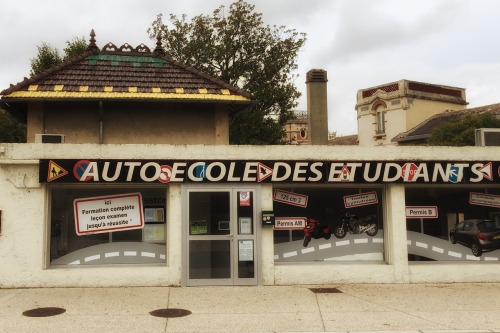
{"x":55,"y":171}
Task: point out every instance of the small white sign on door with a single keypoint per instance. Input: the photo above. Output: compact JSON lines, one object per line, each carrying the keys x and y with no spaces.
{"x":245,"y":250}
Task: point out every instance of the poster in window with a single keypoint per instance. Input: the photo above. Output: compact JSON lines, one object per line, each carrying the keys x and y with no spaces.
{"x":154,"y":233}
{"x":199,"y":227}
{"x":245,"y":250}
{"x":153,"y":214}
{"x":245,"y":199}
{"x":245,"y":225}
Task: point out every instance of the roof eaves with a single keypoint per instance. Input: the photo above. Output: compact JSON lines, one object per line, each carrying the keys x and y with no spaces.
{"x":402,"y":138}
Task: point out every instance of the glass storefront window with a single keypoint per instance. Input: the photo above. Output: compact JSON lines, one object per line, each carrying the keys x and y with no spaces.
{"x":328,"y":224}
{"x":453,"y":223}
{"x":145,"y":245}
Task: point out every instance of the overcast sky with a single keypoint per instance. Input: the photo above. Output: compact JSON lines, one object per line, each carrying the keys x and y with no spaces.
{"x":360,"y":43}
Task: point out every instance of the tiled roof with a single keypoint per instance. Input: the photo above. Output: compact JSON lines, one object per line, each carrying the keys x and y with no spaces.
{"x":124,"y":73}
{"x":347,"y":140}
{"x":424,"y":130}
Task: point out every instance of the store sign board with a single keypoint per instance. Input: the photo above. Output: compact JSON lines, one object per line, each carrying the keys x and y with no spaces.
{"x":108,"y":213}
{"x":421,"y":212}
{"x":290,"y":198}
{"x":290,"y":223}
{"x":238,"y":171}
{"x":482,"y":199}
{"x":362,"y":199}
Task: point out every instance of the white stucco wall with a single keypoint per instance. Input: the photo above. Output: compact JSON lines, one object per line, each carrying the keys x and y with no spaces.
{"x":24,"y":228}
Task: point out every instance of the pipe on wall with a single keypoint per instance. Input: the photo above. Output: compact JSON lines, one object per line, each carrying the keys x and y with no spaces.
{"x":101,"y":123}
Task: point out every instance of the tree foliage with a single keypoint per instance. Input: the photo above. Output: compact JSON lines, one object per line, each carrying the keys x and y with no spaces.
{"x":461,"y":132}
{"x":10,"y":129}
{"x":235,"y":46}
{"x":49,"y":56}
{"x":75,"y":47}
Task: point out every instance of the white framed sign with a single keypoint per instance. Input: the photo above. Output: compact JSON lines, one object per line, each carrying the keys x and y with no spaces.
{"x":482,"y":199}
{"x":245,"y":250}
{"x":108,"y":213}
{"x":290,"y":198}
{"x":245,"y":225}
{"x":290,"y":223}
{"x":421,"y":212}
{"x":362,"y":199}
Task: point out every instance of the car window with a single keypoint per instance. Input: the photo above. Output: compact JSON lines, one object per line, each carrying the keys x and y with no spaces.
{"x":486,"y":226}
{"x":460,"y":226}
{"x":468,"y":226}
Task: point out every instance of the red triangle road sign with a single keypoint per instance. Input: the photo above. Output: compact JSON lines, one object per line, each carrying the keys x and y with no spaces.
{"x":263,"y":172}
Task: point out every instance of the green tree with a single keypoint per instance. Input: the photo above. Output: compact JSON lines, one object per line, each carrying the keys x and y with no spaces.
{"x":75,"y":47}
{"x":10,"y":129}
{"x":236,"y":47}
{"x":49,"y":56}
{"x":461,"y":132}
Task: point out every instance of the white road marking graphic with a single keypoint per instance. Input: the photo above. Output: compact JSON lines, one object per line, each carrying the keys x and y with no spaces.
{"x":325,"y":246}
{"x":437,"y":249}
{"x":289,"y":254}
{"x":307,"y":250}
{"x":342,"y":243}
{"x":92,"y":258}
{"x":423,"y":245}
{"x":454,"y":254}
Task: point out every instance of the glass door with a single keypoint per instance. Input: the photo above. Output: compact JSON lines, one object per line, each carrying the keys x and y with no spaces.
{"x":221,"y":241}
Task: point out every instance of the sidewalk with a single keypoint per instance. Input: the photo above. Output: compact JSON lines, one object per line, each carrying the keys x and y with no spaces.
{"x":341,"y":308}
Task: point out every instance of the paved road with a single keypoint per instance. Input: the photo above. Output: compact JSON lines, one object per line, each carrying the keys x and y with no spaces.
{"x":342,"y":308}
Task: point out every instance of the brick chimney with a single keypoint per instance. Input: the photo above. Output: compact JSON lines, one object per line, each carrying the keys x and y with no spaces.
{"x":317,"y":108}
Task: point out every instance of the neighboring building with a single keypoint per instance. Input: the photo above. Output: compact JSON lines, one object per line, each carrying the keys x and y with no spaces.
{"x":387,"y":110}
{"x":419,"y":134}
{"x":125,"y":95}
{"x":296,"y":129}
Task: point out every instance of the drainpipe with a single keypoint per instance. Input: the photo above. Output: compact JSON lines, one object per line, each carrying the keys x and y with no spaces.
{"x":101,"y":123}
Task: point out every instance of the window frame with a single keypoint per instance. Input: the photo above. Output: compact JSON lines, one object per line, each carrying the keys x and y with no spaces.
{"x":47,"y":264}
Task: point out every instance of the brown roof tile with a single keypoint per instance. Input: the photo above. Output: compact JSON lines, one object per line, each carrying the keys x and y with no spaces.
{"x":114,"y":74}
{"x":347,"y":140}
{"x":424,"y":129}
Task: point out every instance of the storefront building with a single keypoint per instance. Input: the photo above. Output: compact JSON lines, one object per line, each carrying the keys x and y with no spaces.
{"x":144,"y":190}
{"x":161,"y":215}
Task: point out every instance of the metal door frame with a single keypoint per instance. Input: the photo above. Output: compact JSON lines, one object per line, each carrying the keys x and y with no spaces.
{"x":234,"y":236}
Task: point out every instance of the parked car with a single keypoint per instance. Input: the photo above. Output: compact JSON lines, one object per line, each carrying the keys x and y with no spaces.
{"x":480,"y":235}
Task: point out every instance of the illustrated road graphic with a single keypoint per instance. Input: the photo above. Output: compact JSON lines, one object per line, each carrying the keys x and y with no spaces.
{"x":372,"y":248}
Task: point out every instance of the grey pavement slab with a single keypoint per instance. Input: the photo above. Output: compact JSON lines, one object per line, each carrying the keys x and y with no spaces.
{"x":440,"y":308}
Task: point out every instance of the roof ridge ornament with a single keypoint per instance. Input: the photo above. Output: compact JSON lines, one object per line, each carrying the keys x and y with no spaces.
{"x":159,"y":51}
{"x":142,"y":48}
{"x":92,"y":45}
{"x":110,"y":47}
{"x":126,"y":48}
